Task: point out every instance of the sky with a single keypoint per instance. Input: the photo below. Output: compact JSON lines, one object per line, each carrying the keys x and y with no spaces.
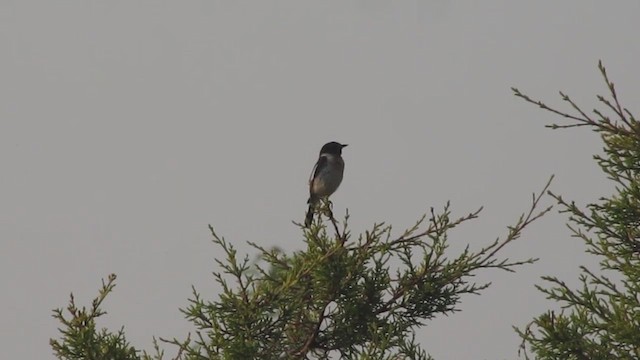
{"x":127,"y":127}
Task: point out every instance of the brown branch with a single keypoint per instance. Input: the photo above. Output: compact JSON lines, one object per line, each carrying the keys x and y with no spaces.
{"x":582,"y":122}
{"x":431,"y":229}
{"x":524,"y":222}
{"x":306,"y":347}
{"x":335,"y":227}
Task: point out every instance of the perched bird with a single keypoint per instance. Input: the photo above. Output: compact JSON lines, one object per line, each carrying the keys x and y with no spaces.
{"x":326,"y":176}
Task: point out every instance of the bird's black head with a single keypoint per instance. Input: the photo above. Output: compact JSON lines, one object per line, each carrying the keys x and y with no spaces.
{"x":333,"y":148}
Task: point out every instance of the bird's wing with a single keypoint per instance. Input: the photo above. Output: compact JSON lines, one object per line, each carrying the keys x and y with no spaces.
{"x":320,"y":165}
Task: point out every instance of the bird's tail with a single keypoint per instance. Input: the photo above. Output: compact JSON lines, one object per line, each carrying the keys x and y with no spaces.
{"x":309,"y":218}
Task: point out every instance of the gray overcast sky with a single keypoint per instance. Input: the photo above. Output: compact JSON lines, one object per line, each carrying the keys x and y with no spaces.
{"x":128,"y":126}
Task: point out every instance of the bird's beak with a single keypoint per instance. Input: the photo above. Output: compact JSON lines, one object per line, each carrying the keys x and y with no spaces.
{"x":345,"y":145}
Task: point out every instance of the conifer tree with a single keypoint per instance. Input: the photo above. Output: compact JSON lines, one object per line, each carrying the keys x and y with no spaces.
{"x":342,"y":297}
{"x":601,"y":318}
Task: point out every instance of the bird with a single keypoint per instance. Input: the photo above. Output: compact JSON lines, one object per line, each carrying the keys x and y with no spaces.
{"x":326,"y":176}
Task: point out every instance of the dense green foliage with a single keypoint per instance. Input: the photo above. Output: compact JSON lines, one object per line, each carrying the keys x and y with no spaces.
{"x":355,"y":299}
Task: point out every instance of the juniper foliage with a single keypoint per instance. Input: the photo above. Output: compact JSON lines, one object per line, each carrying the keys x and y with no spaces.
{"x":601,"y":318}
{"x":341,"y":297}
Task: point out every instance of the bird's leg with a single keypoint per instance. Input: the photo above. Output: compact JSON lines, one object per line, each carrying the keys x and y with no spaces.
{"x":328,"y":207}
